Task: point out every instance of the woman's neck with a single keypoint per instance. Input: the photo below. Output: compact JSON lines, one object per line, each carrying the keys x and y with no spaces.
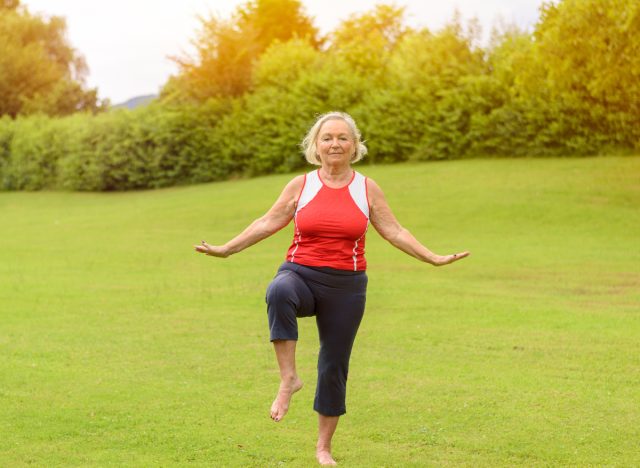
{"x":336,"y":171}
{"x":336,"y":175}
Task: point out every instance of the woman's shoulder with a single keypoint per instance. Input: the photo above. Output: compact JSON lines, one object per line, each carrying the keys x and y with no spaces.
{"x":298,"y":180}
{"x":295,"y":185}
{"x":374,"y":192}
{"x":372,"y":184}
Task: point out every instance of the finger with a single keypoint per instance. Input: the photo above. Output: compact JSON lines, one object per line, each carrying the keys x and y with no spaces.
{"x":458,"y":256}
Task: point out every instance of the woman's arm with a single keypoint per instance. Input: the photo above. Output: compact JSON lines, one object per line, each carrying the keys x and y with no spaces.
{"x":390,"y":229}
{"x":275,"y":219}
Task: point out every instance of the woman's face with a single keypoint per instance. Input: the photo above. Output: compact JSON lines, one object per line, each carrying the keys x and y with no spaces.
{"x":335,"y":143}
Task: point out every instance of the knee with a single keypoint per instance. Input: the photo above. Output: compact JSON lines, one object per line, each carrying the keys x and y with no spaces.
{"x":288,"y":294}
{"x":333,"y":370}
{"x":280,"y":290}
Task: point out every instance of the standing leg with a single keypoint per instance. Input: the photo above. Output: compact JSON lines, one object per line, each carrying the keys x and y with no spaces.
{"x":338,"y":319}
{"x":338,"y":316}
{"x":326,"y":427}
{"x":289,"y":380}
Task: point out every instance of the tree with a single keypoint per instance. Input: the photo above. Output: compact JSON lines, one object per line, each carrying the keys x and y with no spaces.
{"x":39,"y":70}
{"x":283,"y":63}
{"x":366,"y":41}
{"x":423,"y":112}
{"x":9,"y":4}
{"x":227,"y":49}
{"x":590,"y":50}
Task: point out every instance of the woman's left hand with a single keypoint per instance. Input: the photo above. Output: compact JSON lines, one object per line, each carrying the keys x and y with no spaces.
{"x":446,"y":259}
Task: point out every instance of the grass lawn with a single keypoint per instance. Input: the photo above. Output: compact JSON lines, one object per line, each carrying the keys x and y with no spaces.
{"x":121,"y":346}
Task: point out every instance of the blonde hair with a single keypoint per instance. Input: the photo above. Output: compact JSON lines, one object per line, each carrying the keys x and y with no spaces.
{"x":309,"y":142}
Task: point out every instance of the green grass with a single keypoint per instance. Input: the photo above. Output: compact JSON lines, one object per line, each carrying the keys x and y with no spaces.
{"x":121,"y":346}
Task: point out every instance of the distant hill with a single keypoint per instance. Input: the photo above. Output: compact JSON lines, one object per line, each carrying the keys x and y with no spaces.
{"x":134,"y":102}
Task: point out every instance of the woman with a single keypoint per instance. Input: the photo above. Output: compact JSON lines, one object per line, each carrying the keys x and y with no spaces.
{"x":324,"y":272}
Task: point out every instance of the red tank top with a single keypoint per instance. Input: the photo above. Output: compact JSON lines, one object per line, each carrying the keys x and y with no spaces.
{"x":330,"y":224}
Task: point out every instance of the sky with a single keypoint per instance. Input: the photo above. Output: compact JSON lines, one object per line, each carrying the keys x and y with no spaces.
{"x":127,"y":43}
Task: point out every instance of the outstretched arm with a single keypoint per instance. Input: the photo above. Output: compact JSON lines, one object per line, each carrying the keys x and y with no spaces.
{"x":275,"y":219}
{"x":390,"y":229}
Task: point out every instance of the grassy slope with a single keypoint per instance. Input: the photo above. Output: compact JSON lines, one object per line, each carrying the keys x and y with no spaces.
{"x":118,"y":345}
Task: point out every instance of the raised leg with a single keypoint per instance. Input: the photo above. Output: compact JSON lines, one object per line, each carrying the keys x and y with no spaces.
{"x":289,"y":380}
{"x":287,"y":298}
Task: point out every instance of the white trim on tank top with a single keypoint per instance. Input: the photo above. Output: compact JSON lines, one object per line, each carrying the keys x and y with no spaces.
{"x":357,"y":190}
{"x":312,"y":186}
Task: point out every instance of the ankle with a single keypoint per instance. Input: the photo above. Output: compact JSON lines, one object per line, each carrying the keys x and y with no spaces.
{"x":289,"y":378}
{"x":323,"y":447}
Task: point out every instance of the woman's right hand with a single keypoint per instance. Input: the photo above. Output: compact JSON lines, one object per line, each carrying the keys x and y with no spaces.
{"x":212,"y":250}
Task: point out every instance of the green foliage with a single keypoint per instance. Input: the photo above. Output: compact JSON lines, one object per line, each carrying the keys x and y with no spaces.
{"x":423,"y":112}
{"x":6,"y":136}
{"x":121,"y":146}
{"x":591,"y":54}
{"x":9,"y":4}
{"x":39,"y":71}
{"x":293,"y":83}
{"x":227,"y":49}
{"x":366,"y":41}
{"x":572,"y":86}
{"x":261,"y":135}
{"x":283,"y":63}
{"x":37,"y":144}
{"x":151,"y":147}
{"x":242,"y":106}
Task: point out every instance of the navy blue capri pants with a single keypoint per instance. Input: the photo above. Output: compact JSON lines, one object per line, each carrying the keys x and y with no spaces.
{"x":336,"y":298}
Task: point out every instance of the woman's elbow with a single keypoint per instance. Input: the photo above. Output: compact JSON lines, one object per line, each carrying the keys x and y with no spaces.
{"x":271,"y":226}
{"x":393,"y":235}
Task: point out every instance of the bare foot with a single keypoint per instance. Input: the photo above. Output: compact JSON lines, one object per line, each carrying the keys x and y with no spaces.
{"x":280,"y":405}
{"x":324,"y":458}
